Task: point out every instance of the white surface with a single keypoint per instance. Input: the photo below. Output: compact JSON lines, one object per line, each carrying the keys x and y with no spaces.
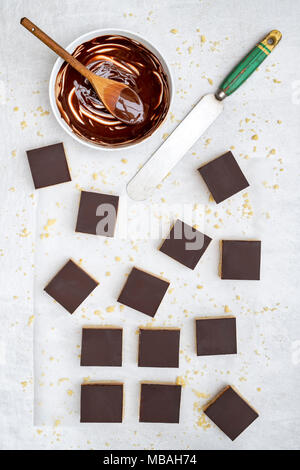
{"x":174,"y":148}
{"x":267,"y":312}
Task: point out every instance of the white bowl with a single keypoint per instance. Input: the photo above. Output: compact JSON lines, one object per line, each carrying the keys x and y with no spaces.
{"x":70,"y":48}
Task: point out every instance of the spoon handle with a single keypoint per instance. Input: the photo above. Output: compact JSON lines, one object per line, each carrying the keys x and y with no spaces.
{"x":37,"y":32}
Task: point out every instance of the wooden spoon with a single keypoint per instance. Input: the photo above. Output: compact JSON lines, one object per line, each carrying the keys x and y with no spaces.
{"x":119,"y":99}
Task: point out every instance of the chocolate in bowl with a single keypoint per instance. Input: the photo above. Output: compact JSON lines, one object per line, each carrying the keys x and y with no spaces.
{"x":118,"y":58}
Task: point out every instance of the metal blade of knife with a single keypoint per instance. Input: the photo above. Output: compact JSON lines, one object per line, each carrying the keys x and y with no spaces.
{"x":176,"y":145}
{"x":197,"y":122}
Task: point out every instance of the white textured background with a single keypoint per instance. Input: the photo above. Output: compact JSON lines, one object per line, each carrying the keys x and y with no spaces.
{"x":40,"y":374}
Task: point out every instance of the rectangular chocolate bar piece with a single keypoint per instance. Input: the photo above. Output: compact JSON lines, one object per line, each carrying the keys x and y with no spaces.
{"x":101,"y":403}
{"x":158,"y":347}
{"x":230,"y":412}
{"x":185,"y":244}
{"x":160,"y":403}
{"x":48,"y":165}
{"x":97,"y":213}
{"x":240,"y":259}
{"x":143,"y":291}
{"x":216,"y":335}
{"x":71,"y":286}
{"x":101,"y":346}
{"x":223,"y":177}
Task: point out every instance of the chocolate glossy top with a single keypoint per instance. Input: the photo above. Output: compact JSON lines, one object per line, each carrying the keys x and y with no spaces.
{"x":185,"y":244}
{"x":101,"y":403}
{"x":71,"y":286}
{"x":223,"y":177}
{"x":160,"y":403}
{"x":101,"y":347}
{"x":48,"y":165}
{"x":143,"y":291}
{"x":158,"y":347}
{"x":216,"y":336}
{"x":118,"y":58}
{"x":230,"y":412}
{"x":241,"y":259}
{"x":97,"y":213}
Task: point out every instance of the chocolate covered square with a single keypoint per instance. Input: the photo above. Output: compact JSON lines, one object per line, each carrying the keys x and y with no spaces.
{"x":240,"y":259}
{"x":101,"y":403}
{"x":97,"y":214}
{"x":143,"y":291}
{"x":48,"y":165}
{"x":101,"y":347}
{"x":160,"y":403}
{"x":223,"y":177}
{"x":185,"y":244}
{"x":216,"y":335}
{"x":71,"y":286}
{"x":158,"y":347}
{"x":230,"y":412}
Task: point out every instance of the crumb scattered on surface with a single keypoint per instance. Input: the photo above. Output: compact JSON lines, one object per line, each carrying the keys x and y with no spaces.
{"x":110,"y":309}
{"x":180,"y":381}
{"x":201,"y":394}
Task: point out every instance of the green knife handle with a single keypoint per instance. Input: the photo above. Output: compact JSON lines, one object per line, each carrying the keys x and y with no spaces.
{"x":248,"y":65}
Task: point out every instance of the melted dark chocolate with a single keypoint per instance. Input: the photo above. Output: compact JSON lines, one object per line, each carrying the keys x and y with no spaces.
{"x":122,"y":59}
